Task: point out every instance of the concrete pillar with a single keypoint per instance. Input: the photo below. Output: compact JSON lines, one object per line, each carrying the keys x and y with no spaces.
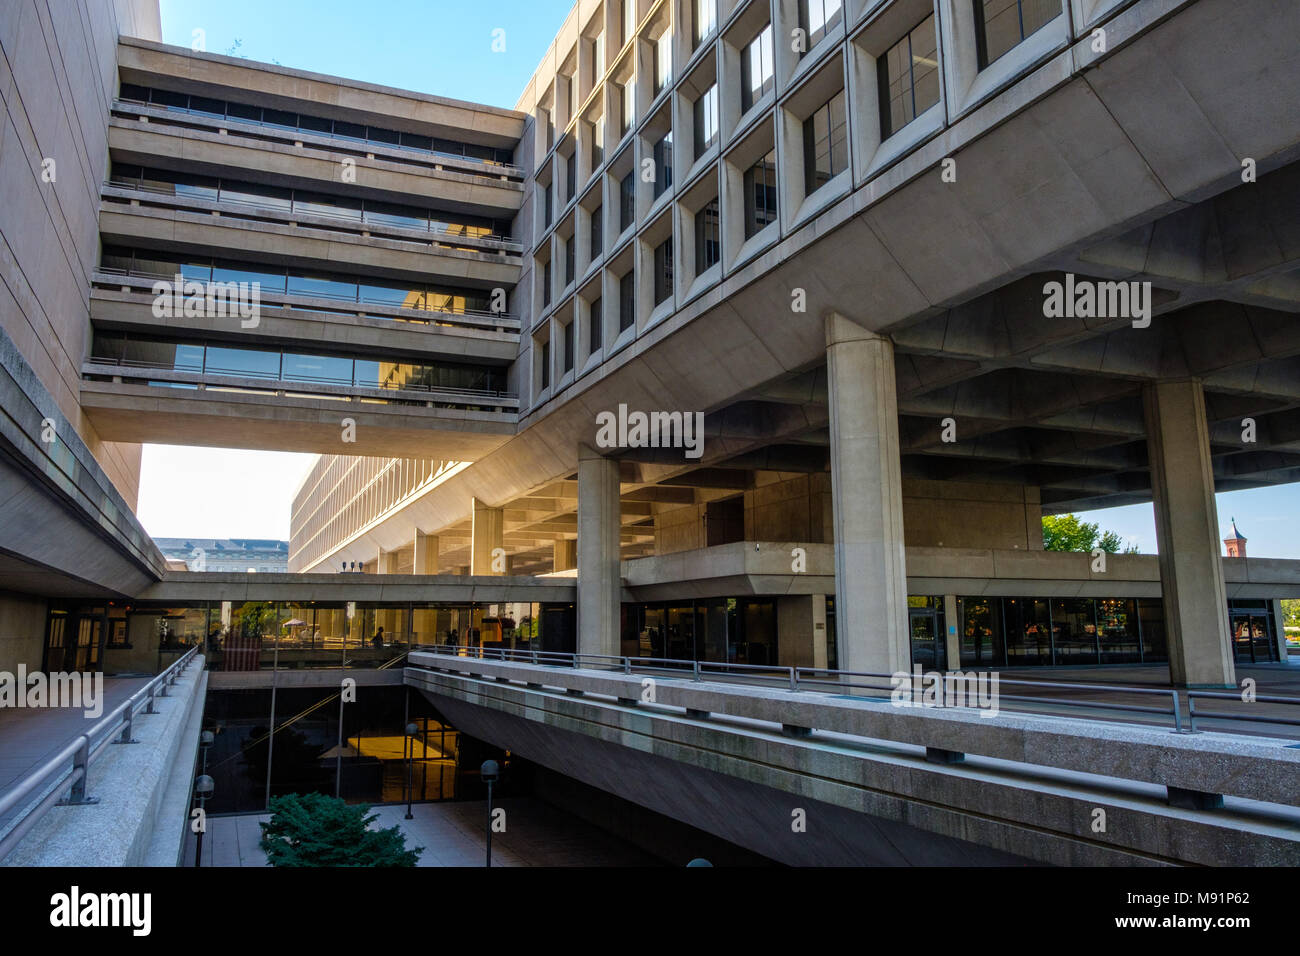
{"x":1279,"y":628}
{"x":487,"y":534}
{"x":385,"y":561}
{"x":866,"y":486}
{"x":426,"y":553}
{"x":1187,"y":535}
{"x":564,"y":554}
{"x":801,"y":630}
{"x":952,"y":631}
{"x":600,"y":581}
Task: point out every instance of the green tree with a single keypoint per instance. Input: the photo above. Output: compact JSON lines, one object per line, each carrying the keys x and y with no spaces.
{"x":1291,"y":612}
{"x":1067,"y":533}
{"x":313,"y":829}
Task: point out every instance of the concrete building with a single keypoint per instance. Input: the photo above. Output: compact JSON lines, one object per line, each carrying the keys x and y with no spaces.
{"x":925,"y":271}
{"x":250,"y":555}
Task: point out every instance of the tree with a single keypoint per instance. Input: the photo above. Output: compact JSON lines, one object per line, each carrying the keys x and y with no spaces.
{"x":1291,"y":612}
{"x":1067,"y":533}
{"x":313,"y":829}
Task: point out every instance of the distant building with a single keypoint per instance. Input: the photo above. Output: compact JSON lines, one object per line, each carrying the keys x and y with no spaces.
{"x":241,"y":555}
{"x":1236,"y":544}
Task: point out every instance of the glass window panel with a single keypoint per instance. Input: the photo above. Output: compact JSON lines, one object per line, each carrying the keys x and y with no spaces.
{"x":1074,"y":631}
{"x":318,"y":204}
{"x":268,"y":279}
{"x":378,"y":134}
{"x":169,"y":100}
{"x":244,"y":112}
{"x":208,"y":107}
{"x":130,"y":91}
{"x":345,"y":130}
{"x":255,"y":194}
{"x":250,"y":363}
{"x":391,"y":214}
{"x":315,"y":124}
{"x":280,"y":118}
{"x":322,"y":286}
{"x":417,"y":141}
{"x":329,"y":369}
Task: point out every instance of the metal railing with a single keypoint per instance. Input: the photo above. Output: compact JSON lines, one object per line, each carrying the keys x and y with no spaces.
{"x":68,"y":786}
{"x":359,"y":217}
{"x":869,"y":684}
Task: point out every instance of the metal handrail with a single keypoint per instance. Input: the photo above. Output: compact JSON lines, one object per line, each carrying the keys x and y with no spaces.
{"x":82,"y":754}
{"x":406,"y":313}
{"x":810,"y":679}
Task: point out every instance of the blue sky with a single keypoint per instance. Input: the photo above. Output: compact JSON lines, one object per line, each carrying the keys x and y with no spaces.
{"x":444,"y":47}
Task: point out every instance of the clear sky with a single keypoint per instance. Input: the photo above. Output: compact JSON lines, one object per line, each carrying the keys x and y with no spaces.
{"x":444,"y":47}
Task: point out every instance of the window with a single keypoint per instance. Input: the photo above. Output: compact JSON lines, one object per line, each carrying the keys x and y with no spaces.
{"x":663,"y":270}
{"x":569,"y":246}
{"x":597,"y":143}
{"x":818,"y":18}
{"x":760,"y":194}
{"x":706,"y":120}
{"x":568,"y":347}
{"x":825,"y":144}
{"x":908,"y":77}
{"x":571,"y":95}
{"x":756,"y":76}
{"x":626,"y":201}
{"x":708,"y":241}
{"x":663,"y":156}
{"x":663,"y":60}
{"x":546,"y":284}
{"x":628,"y":108}
{"x":546,"y":364}
{"x":547,"y":203}
{"x":629,"y":19}
{"x":626,"y":301}
{"x":597,"y":59}
{"x":597,"y":231}
{"x":704,"y":20}
{"x":595,"y":320}
{"x":1002,"y":24}
{"x":570,"y":176}
{"x":550,"y":129}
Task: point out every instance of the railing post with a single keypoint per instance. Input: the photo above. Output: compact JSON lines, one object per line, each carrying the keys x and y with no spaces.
{"x":627,"y":665}
{"x":1191,"y":713}
{"x":149,"y":709}
{"x":696,"y":670}
{"x":794,"y":681}
{"x":1178,"y":717}
{"x":80,"y":762}
{"x":126,"y":737}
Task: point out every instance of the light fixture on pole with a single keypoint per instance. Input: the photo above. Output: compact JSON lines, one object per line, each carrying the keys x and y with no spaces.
{"x":411,"y":730}
{"x":203,"y":786}
{"x":489,"y":771}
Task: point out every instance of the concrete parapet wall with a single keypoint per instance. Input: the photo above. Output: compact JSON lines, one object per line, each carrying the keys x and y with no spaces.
{"x":142,"y":788}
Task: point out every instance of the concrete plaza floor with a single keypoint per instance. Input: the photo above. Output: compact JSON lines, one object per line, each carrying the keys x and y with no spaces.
{"x":537,"y":834}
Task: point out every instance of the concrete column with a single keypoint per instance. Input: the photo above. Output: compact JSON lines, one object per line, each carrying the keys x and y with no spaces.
{"x":487,"y":533}
{"x":952,"y":631}
{"x":564,"y":554}
{"x":866,"y":487}
{"x":801,"y":630}
{"x":600,"y":581}
{"x":1187,"y":535}
{"x":385,"y":561}
{"x":426,"y":553}
{"x":1279,"y":628}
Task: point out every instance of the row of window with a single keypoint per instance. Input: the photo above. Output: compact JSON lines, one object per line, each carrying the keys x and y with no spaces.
{"x":315,"y":125}
{"x":293,"y":281}
{"x":307,"y":202}
{"x":908,"y":84}
{"x":288,"y":365}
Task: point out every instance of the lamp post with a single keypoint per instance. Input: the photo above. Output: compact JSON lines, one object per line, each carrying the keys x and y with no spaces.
{"x":203,"y":786}
{"x":411,"y":730}
{"x":206,"y":740}
{"x":489,"y":771}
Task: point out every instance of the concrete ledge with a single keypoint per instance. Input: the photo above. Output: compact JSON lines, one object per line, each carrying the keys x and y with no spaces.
{"x":137,"y":787}
{"x":892,"y":805}
{"x":1256,"y":768}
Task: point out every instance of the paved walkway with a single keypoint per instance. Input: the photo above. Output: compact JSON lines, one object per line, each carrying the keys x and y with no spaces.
{"x":30,"y":737}
{"x":537,"y":834}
